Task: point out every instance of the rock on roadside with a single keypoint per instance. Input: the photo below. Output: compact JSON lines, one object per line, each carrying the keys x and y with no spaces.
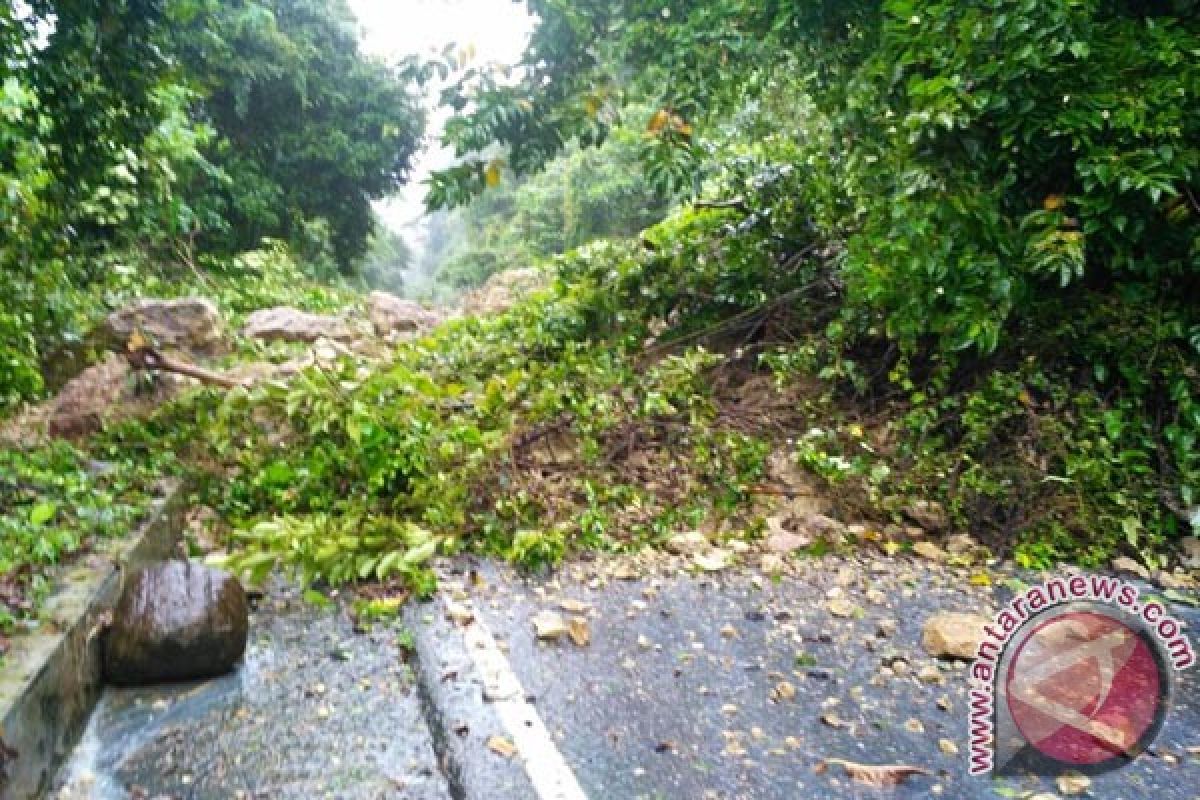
{"x":187,"y":323}
{"x":950,"y":634}
{"x":176,"y":621}
{"x":286,"y":324}
{"x":391,"y":314}
{"x":104,"y":393}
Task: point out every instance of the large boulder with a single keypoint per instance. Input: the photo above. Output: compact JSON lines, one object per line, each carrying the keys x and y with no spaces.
{"x":502,"y":291}
{"x":176,"y":621}
{"x":391,"y":314}
{"x":293,"y":325}
{"x":186,"y":323}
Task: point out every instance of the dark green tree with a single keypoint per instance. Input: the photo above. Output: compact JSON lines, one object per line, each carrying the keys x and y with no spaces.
{"x":310,"y":127}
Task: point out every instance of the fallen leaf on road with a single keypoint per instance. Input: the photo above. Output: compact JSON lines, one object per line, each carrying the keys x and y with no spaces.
{"x":879,"y":776}
{"x":502,"y":746}
{"x":980,"y":579}
{"x":579,"y":631}
{"x":574,"y":606}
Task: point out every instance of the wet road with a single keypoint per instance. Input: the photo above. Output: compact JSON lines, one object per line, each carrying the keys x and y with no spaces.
{"x":692,"y":685}
{"x":736,"y":686}
{"x":315,"y":711}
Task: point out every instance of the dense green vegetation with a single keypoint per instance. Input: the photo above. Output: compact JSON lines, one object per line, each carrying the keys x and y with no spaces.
{"x":929,"y":251}
{"x":582,"y":195}
{"x":156,"y":139}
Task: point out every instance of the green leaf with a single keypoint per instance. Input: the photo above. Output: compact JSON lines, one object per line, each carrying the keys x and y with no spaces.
{"x":42,"y":513}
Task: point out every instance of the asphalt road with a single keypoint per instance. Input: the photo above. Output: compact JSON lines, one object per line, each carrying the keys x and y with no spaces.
{"x":684,"y":684}
{"x":678,"y":694}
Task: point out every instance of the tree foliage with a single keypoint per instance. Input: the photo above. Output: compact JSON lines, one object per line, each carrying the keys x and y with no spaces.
{"x":582,"y":195}
{"x":309,"y":127}
{"x":165,"y":136}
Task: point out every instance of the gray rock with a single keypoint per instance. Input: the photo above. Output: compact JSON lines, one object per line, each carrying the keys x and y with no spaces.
{"x":929,"y":515}
{"x":293,"y":325}
{"x":949,"y":634}
{"x":391,"y":314}
{"x":502,"y":291}
{"x":186,"y":323}
{"x":688,"y":544}
{"x":1129,"y":566}
{"x":176,"y":621}
{"x":1190,"y":551}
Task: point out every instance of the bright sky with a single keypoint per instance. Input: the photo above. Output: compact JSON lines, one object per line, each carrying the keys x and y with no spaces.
{"x":497,"y":28}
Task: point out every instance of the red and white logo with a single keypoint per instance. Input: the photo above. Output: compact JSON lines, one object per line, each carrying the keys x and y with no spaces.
{"x":1085,"y":689}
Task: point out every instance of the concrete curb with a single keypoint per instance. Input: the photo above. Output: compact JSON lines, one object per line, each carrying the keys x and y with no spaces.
{"x":52,"y":678}
{"x":460,"y":721}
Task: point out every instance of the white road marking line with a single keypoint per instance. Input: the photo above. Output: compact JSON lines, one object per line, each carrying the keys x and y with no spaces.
{"x":545,"y":765}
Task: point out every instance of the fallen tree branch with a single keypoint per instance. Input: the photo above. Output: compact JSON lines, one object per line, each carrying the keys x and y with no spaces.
{"x":143,"y":356}
{"x":736,"y":203}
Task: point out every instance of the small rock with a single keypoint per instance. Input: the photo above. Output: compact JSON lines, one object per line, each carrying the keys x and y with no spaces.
{"x":948,"y":747}
{"x":886,"y":628}
{"x":1172,"y":580}
{"x":729,"y":632}
{"x":771,"y":564}
{"x":688,"y":544}
{"x":459,"y":614}
{"x":961,"y":544}
{"x":914,"y":725}
{"x":549,"y":626}
{"x":502,"y":290}
{"x":1189,"y":547}
{"x":783,"y":542}
{"x":929,"y":674}
{"x":714,"y":560}
{"x":930,"y":551}
{"x":1072,"y":783}
{"x":1129,"y":566}
{"x":845,"y":577}
{"x":928,"y":514}
{"x":949,"y":634}
{"x":842,"y":607}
